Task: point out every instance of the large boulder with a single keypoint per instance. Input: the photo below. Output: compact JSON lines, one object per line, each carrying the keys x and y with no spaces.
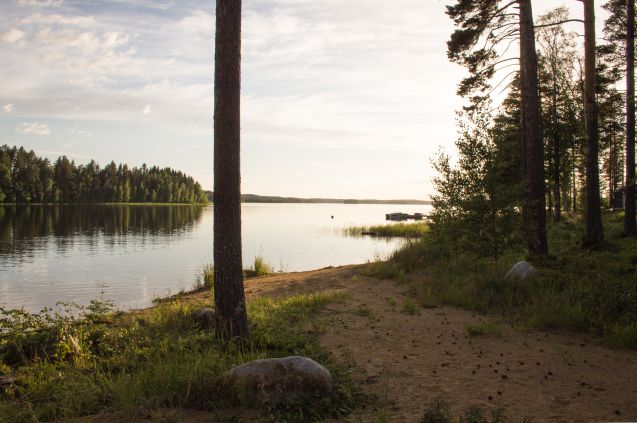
{"x":520,"y":271}
{"x":276,"y":381}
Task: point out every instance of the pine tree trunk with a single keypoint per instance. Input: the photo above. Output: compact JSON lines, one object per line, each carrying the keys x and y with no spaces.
{"x":630,"y":224}
{"x":229,"y":295}
{"x":556,"y":149}
{"x":594,"y":237}
{"x":535,"y":222}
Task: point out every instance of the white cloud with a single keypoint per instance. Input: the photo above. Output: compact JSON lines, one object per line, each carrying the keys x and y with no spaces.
{"x":199,"y":23}
{"x":8,"y":108}
{"x":40,"y":3}
{"x":147,"y":110}
{"x":33,"y":128}
{"x":80,"y":132}
{"x":12,"y":36}
{"x":55,"y":19}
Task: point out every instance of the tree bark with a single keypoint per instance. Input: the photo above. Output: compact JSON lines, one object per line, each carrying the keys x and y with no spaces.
{"x":556,"y":148}
{"x":232,"y":321}
{"x":594,"y":237}
{"x":630,"y":224}
{"x":535,"y":204}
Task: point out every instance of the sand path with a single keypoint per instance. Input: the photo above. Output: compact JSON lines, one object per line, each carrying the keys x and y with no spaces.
{"x":406,"y":360}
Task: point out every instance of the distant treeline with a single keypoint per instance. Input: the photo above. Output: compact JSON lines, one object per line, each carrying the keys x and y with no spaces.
{"x":253,"y":198}
{"x":27,"y":178}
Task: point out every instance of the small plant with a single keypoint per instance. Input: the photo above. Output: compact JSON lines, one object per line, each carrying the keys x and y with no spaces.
{"x":363,"y":311}
{"x":475,"y":414}
{"x":206,"y":279}
{"x":482,"y":329}
{"x":261,"y":267}
{"x":438,"y":412}
{"x":409,"y":307}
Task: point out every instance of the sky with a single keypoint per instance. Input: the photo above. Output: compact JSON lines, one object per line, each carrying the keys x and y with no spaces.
{"x":346,"y":99}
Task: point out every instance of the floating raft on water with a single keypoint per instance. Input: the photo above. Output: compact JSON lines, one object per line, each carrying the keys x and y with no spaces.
{"x":399,"y":217}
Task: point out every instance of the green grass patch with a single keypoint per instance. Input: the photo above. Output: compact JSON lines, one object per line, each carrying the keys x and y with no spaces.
{"x":259,"y":268}
{"x":409,"y":307}
{"x":591,"y":292}
{"x":483,"y":329}
{"x":403,"y":230}
{"x":439,"y":412}
{"x":90,"y":360}
{"x":363,"y":311}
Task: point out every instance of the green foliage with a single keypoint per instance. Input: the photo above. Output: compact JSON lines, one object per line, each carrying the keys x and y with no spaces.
{"x":476,"y":415}
{"x":363,"y":311}
{"x":154,"y":360}
{"x":409,"y":307}
{"x":206,"y":279}
{"x":438,"y":412}
{"x":403,"y":230}
{"x":261,"y":267}
{"x":26,"y":178}
{"x":476,"y":208}
{"x":484,"y":329}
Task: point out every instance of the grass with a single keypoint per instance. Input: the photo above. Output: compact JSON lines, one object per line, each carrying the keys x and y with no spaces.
{"x":205,"y":280}
{"x":409,"y":307}
{"x":363,"y":311}
{"x":439,"y":412}
{"x":259,"y":268}
{"x":591,"y":292}
{"x":402,"y":230}
{"x":483,"y":329}
{"x":91,"y":360}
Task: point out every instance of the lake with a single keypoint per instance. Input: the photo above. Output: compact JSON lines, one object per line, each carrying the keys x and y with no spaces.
{"x":132,"y":254}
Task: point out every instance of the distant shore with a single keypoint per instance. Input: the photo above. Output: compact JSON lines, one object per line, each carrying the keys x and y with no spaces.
{"x":253,"y":198}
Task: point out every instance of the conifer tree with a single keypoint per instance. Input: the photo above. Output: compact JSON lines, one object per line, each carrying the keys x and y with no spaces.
{"x":486,"y":28}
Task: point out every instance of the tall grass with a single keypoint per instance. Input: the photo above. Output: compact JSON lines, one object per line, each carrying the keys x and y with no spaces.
{"x":261,"y":267}
{"x":157,"y":359}
{"x":402,"y":230}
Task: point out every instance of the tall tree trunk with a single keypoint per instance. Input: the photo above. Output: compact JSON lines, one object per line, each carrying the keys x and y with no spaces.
{"x":535,"y":224}
{"x":611,"y":174}
{"x":594,"y":236}
{"x":556,"y":150}
{"x":229,"y":294}
{"x":574,"y":208}
{"x":630,"y":224}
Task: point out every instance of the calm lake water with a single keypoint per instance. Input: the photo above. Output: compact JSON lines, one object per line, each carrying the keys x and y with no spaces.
{"x":132,"y":254}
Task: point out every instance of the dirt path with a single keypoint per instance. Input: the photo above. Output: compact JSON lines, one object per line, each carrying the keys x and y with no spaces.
{"x":406,"y":360}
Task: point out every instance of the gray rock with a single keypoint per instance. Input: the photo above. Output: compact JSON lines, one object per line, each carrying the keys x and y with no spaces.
{"x":277,"y":381}
{"x":520,"y":271}
{"x":205,"y":318}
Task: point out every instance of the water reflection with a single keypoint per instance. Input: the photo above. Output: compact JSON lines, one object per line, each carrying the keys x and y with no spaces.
{"x":25,"y":229}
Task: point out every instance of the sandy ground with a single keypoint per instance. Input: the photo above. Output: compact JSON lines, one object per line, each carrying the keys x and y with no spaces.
{"x":406,"y":360}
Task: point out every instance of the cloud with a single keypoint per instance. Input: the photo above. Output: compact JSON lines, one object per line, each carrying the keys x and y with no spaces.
{"x":80,"y":132}
{"x":55,"y":19}
{"x":12,"y":36}
{"x":199,"y":23}
{"x":33,"y":128}
{"x":40,"y":3}
{"x":147,"y":110}
{"x":8,"y":108}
